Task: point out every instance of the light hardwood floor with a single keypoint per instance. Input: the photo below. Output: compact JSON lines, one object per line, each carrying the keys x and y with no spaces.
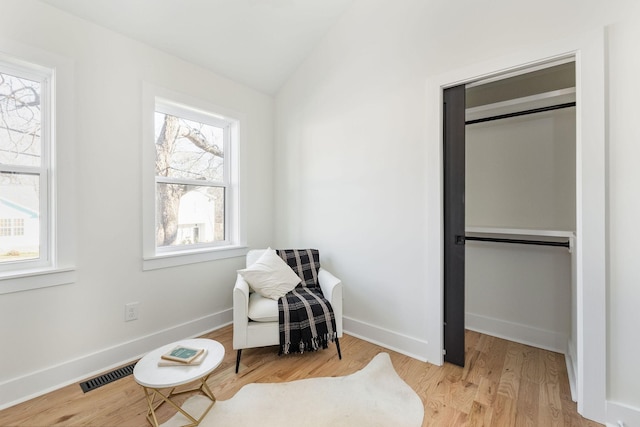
{"x":502,"y":384}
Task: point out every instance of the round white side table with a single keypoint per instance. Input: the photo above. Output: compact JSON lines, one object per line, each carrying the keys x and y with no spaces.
{"x":156,"y":379}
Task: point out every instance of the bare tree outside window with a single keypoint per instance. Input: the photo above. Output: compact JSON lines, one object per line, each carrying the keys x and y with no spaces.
{"x":20,"y":121}
{"x":190,"y":181}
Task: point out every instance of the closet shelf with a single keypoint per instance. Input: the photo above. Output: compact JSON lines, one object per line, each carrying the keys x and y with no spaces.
{"x":522,"y":236}
{"x":542,"y":100}
{"x":533,"y":232}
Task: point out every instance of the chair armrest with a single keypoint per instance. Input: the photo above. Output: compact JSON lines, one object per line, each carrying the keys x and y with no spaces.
{"x":332,"y":290}
{"x":240,"y":312}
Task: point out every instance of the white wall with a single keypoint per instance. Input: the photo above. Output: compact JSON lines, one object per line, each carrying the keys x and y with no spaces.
{"x":521,"y":172}
{"x":65,"y":332}
{"x":352,"y":167}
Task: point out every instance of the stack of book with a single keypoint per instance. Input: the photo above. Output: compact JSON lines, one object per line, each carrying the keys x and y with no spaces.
{"x":183,"y":356}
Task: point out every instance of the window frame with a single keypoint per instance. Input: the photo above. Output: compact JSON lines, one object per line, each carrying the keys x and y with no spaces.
{"x":59,"y":266}
{"x":45,"y":171}
{"x":193,"y":108}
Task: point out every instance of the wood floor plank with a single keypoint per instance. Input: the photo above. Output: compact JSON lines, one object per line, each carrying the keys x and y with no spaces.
{"x":532,"y":367}
{"x":488,"y":362}
{"x":504,"y":411}
{"x":438,"y":414}
{"x":550,"y":408}
{"x":511,"y":372}
{"x":527,"y":404}
{"x":487,"y":391}
{"x":480,"y":415}
{"x":502,"y":384}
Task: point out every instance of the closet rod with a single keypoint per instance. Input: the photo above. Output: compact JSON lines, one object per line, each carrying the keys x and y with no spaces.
{"x":519,"y":241}
{"x":521,"y":113}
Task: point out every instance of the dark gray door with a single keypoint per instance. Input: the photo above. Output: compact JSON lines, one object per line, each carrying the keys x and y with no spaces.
{"x":454,"y":176}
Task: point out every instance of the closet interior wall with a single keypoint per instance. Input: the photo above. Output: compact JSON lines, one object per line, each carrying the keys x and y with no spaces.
{"x":521,"y":184}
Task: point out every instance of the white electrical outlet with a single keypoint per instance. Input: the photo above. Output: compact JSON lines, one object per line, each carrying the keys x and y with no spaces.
{"x":131,"y":311}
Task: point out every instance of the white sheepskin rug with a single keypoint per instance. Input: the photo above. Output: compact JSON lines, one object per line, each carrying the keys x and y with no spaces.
{"x":373,"y":396}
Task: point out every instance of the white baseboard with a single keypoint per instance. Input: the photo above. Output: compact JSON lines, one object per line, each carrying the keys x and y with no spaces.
{"x":391,"y":340}
{"x":570,"y":358}
{"x":40,"y":382}
{"x":571,"y":373}
{"x":523,"y":334}
{"x":620,"y":413}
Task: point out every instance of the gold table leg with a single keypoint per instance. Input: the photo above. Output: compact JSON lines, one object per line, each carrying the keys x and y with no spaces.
{"x":152,"y":393}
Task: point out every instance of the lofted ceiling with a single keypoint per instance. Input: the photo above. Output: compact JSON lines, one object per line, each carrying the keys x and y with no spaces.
{"x":258,"y":43}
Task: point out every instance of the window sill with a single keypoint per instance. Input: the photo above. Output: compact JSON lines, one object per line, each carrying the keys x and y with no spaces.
{"x":175,"y":259}
{"x":24,"y":280}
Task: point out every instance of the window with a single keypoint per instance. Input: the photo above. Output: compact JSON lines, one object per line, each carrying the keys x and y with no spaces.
{"x":190,"y":160}
{"x":191,"y":178}
{"x":25,"y":168}
{"x":12,"y":227}
{"x":18,"y":227}
{"x":5,"y":227}
{"x":37,"y":200}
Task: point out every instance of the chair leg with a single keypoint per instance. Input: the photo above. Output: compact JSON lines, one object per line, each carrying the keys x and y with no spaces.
{"x":338,"y":347}
{"x":238,"y":360}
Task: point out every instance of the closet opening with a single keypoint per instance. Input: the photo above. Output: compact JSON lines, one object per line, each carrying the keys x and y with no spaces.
{"x":519,"y":208}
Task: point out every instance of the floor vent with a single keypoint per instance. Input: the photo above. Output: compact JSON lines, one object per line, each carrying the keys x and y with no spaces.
{"x":107,"y":378}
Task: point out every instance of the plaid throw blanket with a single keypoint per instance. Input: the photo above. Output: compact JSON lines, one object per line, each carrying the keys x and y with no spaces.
{"x":306,"y":318}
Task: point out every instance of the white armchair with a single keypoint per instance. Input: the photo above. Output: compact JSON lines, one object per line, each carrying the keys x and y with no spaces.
{"x":255,"y":318}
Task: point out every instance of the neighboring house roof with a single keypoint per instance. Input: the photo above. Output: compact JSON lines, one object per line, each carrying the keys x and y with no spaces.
{"x":15,"y":197}
{"x":22,"y":209}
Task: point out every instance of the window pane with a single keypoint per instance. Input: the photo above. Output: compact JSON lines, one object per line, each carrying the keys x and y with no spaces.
{"x":189,"y":214}
{"x":20,"y":121}
{"x":187,"y":149}
{"x":19,"y":217}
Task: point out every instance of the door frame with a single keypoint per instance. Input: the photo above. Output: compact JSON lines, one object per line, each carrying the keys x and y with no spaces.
{"x":590,"y":365}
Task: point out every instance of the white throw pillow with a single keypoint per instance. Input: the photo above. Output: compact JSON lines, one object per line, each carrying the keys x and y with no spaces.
{"x":270,"y":276}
